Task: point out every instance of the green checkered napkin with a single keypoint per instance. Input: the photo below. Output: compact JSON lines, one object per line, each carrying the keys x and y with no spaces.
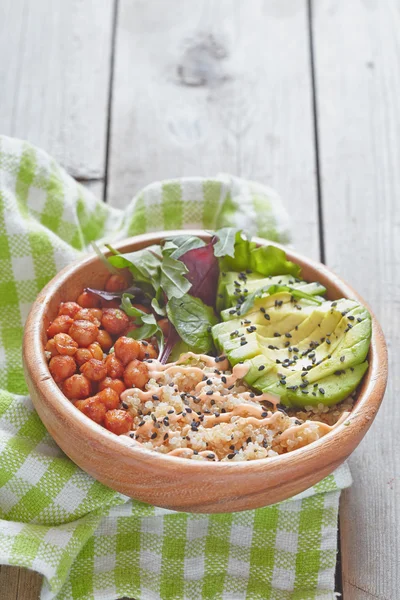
{"x":88,"y":541}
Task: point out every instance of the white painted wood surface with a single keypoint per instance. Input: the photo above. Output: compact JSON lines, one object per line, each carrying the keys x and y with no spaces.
{"x":54,"y":78}
{"x":206,"y":87}
{"x":357,"y":48}
{"x":226,"y":86}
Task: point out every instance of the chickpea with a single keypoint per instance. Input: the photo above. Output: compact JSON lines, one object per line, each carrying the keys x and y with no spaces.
{"x":164,"y":325}
{"x":96,"y":351}
{"x":104,"y":339}
{"x":51,"y":347}
{"x":147,"y":350}
{"x":77,"y":387}
{"x":116,"y":283}
{"x":94,"y":369}
{"x":118,"y":421}
{"x":96,"y":312}
{"x":82,"y":355}
{"x":83,"y":332}
{"x":126,"y":349}
{"x":115,"y":368}
{"x":62,"y":367}
{"x":60,"y":324}
{"x":85,"y":315}
{"x":114,"y":320}
{"x":93,"y":408}
{"x":136,"y":374}
{"x":88,"y":300}
{"x":115,"y":384}
{"x":109,"y":397}
{"x":65,"y":344}
{"x":69,"y":308}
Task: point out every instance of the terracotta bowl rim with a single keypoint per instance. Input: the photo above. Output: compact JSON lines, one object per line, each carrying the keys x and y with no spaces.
{"x":368,"y":400}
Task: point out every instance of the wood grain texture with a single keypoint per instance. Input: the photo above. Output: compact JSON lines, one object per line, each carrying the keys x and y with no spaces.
{"x":358,"y":89}
{"x":177,"y":483}
{"x":54,"y":77}
{"x":204,"y":87}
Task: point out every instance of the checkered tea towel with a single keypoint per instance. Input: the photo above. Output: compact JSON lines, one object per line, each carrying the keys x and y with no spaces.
{"x":88,"y":541}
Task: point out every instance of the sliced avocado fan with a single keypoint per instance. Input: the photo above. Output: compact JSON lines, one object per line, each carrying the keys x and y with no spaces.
{"x":305,"y":353}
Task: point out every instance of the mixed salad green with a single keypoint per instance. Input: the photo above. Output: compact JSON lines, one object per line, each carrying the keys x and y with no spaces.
{"x":230,"y":296}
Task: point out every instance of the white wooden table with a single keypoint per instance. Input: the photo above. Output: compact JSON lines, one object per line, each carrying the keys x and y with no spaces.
{"x":304,"y":96}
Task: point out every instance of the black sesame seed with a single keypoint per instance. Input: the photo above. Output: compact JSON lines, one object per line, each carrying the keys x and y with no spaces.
{"x":248,"y":440}
{"x":125,"y":405}
{"x":209,"y":393}
{"x":243,"y":343}
{"x":321,"y":390}
{"x":223,"y":379}
{"x":153,"y":435}
{"x":252,"y":395}
{"x":288,"y":335}
{"x":210,"y":455}
{"x":261,"y":367}
{"x":209,"y":381}
{"x":304,"y":392}
{"x":155,"y":397}
{"x":276,"y":334}
{"x":231,"y":455}
{"x":266,"y":316}
{"x":264,"y":414}
{"x":342,"y":358}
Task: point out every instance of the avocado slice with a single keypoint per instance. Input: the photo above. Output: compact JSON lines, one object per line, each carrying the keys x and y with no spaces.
{"x":233,"y":284}
{"x":294,"y":348}
{"x":328,"y":391}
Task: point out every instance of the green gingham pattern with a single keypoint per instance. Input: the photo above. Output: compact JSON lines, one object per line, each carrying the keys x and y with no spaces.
{"x":88,"y":541}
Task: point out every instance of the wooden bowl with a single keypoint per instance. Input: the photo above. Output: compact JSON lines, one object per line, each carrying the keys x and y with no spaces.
{"x":173,"y":482}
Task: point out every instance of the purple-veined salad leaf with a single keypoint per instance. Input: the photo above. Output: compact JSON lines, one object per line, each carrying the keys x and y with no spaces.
{"x":141,"y":294}
{"x":202,"y":273}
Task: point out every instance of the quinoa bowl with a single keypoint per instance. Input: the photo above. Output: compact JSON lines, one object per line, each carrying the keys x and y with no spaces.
{"x":230,"y":481}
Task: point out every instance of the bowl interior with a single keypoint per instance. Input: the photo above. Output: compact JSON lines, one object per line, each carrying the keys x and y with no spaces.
{"x":305,"y":465}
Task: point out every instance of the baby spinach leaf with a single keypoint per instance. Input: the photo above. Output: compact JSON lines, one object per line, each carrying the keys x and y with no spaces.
{"x":192,"y":320}
{"x":173,"y":280}
{"x":143,"y":264}
{"x":147,"y":324}
{"x":225,"y":244}
{"x":180,"y":244}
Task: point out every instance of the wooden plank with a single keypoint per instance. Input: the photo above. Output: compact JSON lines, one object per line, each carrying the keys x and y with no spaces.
{"x":9,"y":577}
{"x":207,"y":87}
{"x":29,"y":585}
{"x":358,"y":90}
{"x":54,"y":77}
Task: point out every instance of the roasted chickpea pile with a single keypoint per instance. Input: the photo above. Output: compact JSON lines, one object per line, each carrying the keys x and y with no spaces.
{"x":78,"y":349}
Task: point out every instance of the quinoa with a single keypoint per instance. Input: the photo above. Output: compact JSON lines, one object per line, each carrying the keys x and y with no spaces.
{"x":199,"y":408}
